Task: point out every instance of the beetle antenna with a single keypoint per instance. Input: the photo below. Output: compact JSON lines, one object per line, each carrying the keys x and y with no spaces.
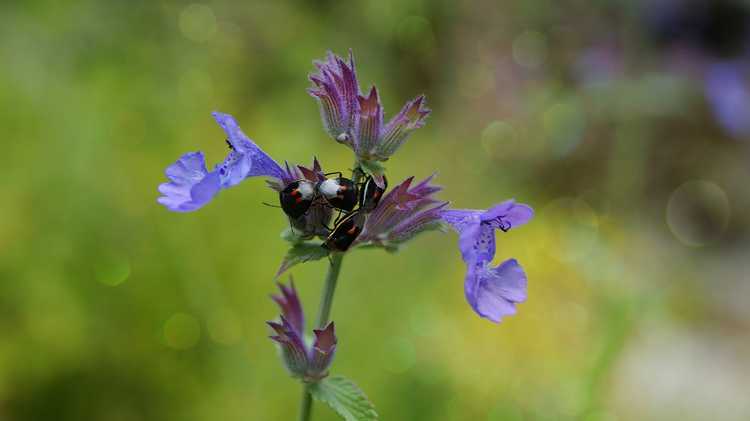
{"x":270,"y":205}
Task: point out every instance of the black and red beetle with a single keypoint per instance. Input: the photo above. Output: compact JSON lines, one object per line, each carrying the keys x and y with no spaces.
{"x":340,"y":193}
{"x":345,"y":232}
{"x":370,"y":194}
{"x":297,"y":197}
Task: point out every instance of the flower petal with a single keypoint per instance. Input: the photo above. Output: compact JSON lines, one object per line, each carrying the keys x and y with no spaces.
{"x":293,"y":351}
{"x":508,"y":214}
{"x":369,"y":123}
{"x":191,"y":186}
{"x":290,"y":306}
{"x":395,"y":133}
{"x":494,"y":292}
{"x":323,"y":350}
{"x":251,"y":160}
{"x":468,"y":224}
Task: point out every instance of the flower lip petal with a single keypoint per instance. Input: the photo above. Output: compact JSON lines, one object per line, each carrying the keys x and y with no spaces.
{"x":493,"y":293}
{"x":191,"y":186}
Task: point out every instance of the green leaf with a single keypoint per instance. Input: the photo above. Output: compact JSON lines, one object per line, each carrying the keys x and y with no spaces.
{"x":301,"y":253}
{"x":344,"y":397}
{"x":372,"y":168}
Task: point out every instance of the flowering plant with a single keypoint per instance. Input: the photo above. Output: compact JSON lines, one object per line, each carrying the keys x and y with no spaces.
{"x":367,"y":215}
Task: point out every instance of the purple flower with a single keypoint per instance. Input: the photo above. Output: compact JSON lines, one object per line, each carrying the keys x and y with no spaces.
{"x":403,"y":213}
{"x":308,"y":362}
{"x":356,"y":120}
{"x":191,"y":185}
{"x":491,"y":292}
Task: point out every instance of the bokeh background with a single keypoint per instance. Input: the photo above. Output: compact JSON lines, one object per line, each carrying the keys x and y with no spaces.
{"x":625,"y":124}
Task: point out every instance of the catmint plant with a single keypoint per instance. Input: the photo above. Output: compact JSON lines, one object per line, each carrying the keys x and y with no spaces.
{"x":331,"y":214}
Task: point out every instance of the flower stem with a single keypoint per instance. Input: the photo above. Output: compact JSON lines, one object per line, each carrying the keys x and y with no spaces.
{"x":305,"y":409}
{"x":326,"y":300}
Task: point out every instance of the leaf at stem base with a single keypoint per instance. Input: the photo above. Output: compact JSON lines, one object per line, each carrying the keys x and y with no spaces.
{"x":300,"y":253}
{"x":344,"y":397}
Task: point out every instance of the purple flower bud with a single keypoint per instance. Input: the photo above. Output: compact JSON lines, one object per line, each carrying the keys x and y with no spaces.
{"x":310,"y":363}
{"x":403,"y":213}
{"x":291,"y":343}
{"x":321,"y":354}
{"x":356,"y":120}
{"x":336,"y":89}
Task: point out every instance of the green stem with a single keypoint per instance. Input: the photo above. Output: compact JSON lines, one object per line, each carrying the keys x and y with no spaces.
{"x":306,"y":408}
{"x":326,"y":301}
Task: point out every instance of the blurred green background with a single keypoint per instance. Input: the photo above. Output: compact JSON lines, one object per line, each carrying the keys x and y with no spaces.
{"x":600,"y":114}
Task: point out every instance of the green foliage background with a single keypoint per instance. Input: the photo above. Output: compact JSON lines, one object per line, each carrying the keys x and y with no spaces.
{"x":112,"y":308}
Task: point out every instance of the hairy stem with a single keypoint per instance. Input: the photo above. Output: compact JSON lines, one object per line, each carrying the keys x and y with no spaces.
{"x":324,"y":313}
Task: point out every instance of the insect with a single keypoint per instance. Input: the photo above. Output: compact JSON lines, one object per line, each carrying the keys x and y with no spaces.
{"x":345,"y":232}
{"x":370,"y":194}
{"x":339,"y":192}
{"x":297,"y":197}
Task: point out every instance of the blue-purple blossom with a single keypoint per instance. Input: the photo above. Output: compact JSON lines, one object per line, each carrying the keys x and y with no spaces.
{"x":308,"y":362}
{"x":357,"y":120}
{"x":491,"y":292}
{"x":191,"y":185}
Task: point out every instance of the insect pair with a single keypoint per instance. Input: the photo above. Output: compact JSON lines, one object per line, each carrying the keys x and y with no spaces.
{"x":339,"y":193}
